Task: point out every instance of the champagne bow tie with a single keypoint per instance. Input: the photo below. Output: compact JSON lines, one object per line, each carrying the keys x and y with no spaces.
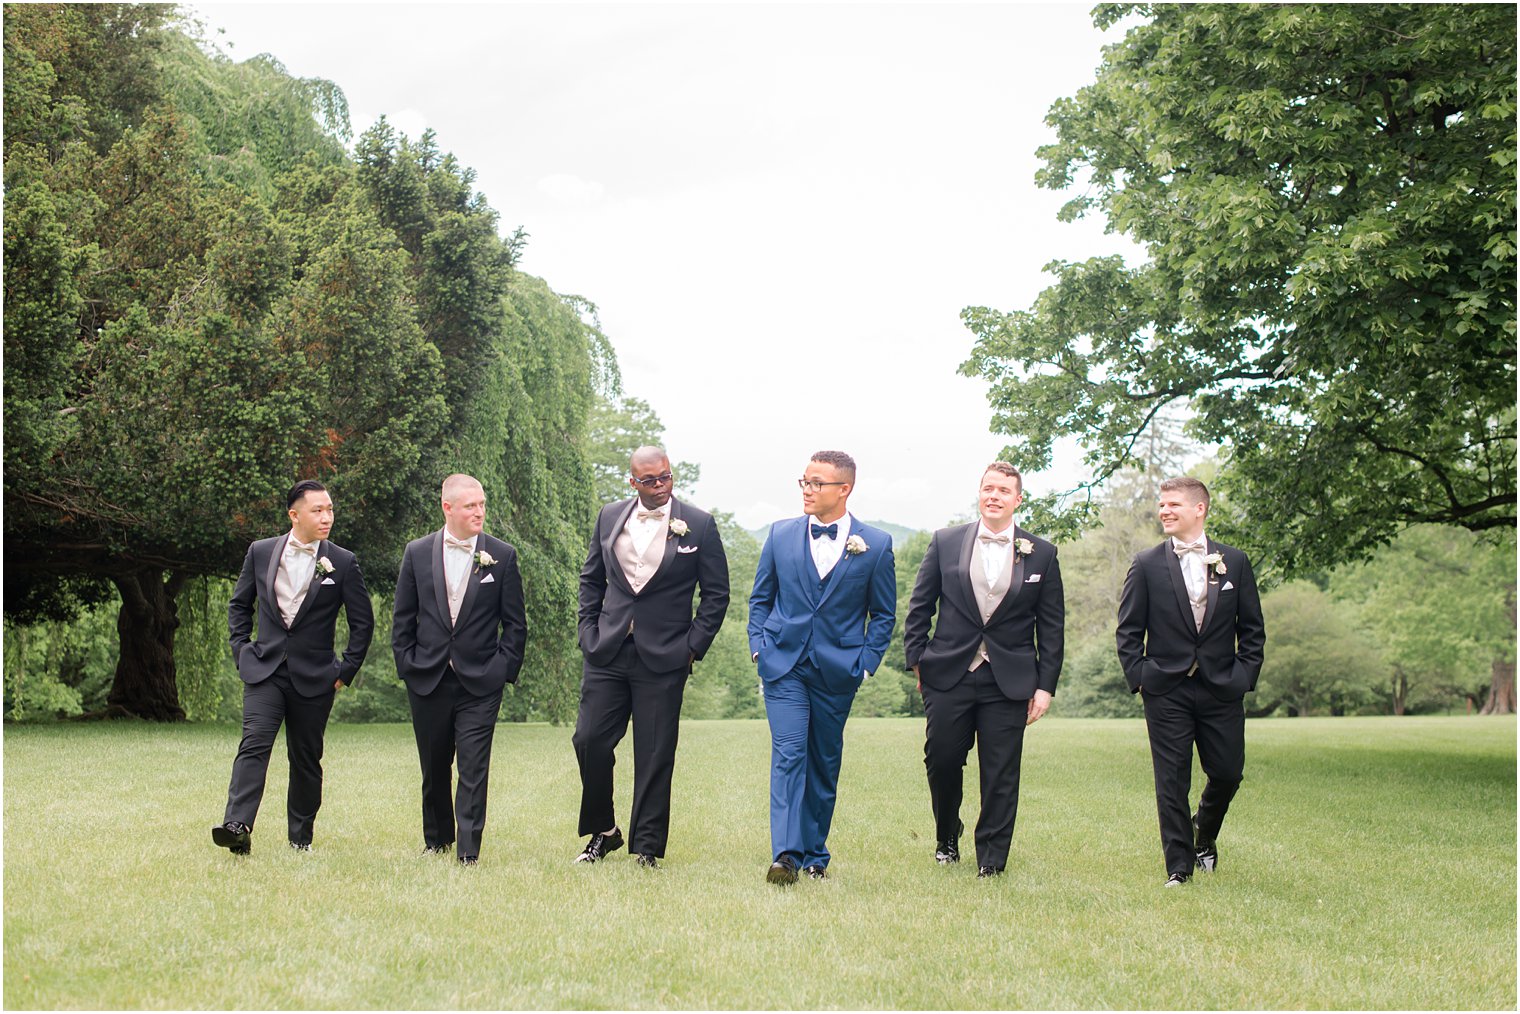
{"x":453,"y":543}
{"x":295,"y":547}
{"x":832,"y":531}
{"x":1182,"y":551}
{"x":1001,"y":540}
{"x":650,"y":515}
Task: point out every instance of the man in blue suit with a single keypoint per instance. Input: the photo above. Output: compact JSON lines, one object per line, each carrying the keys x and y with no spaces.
{"x":820,"y":617}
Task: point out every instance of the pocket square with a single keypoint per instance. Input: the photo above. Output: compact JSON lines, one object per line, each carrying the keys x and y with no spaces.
{"x":687,"y":549}
{"x":488,"y":579}
{"x":1227,"y":586}
{"x":1033,"y":578}
{"x":328,"y":580}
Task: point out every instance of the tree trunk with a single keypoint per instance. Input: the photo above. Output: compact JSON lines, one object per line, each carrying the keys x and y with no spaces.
{"x":1501,"y":690}
{"x":1400,"y":690}
{"x":144,"y":685}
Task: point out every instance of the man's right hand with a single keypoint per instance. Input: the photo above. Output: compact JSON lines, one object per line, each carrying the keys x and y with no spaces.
{"x":919,"y":678}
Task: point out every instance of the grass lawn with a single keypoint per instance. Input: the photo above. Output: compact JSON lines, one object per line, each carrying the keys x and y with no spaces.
{"x":1367,"y":863}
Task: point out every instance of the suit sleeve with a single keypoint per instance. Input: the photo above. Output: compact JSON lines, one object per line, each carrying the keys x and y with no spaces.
{"x":1134,"y":613}
{"x":361,"y":622}
{"x":1050,"y":628}
{"x":881,"y":610}
{"x":404,"y":617}
{"x":240,"y":608}
{"x":712,"y":577}
{"x":593,"y":588}
{"x":762,"y":598}
{"x":922,"y":604}
{"x":1250,"y":626}
{"x":513,"y":641}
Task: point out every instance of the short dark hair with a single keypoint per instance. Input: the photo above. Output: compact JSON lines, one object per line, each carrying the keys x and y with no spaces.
{"x":840,"y":460}
{"x":1193,"y":488}
{"x":300,"y":489}
{"x":1005,"y":468}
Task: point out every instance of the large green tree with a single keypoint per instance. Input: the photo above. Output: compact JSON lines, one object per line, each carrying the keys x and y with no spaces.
{"x":1326,"y":198}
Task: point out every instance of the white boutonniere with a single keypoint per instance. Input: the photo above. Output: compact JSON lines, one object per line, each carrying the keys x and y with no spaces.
{"x":324,"y":567}
{"x":1023,"y":547}
{"x":1215,"y":560}
{"x":855,"y":545}
{"x":483,"y":559}
{"x":678,"y":527}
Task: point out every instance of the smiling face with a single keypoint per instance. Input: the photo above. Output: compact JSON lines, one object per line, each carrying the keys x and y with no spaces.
{"x":997,"y":499}
{"x":464,"y":509}
{"x":311,"y":517}
{"x":1181,"y":516}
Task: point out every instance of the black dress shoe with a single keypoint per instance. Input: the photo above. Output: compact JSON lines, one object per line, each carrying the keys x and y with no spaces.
{"x":469,"y":861}
{"x":983,"y":872}
{"x":783,"y":871}
{"x":947,"y":852}
{"x":1177,"y":879}
{"x":436,"y":850}
{"x":816,"y":872}
{"x":647,"y":861}
{"x":301,"y":846}
{"x":233,"y":836}
{"x":599,"y":846}
{"x":1205,"y":850}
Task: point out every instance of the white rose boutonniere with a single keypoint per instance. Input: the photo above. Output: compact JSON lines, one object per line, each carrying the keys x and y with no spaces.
{"x":855,"y":545}
{"x":483,"y":559}
{"x":1023,"y":547}
{"x":1215,"y":560}
{"x":324,"y":567}
{"x":678,"y":527}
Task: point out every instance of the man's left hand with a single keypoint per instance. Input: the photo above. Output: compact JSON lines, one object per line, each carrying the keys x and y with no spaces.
{"x":338,"y":684}
{"x":1038,"y":705}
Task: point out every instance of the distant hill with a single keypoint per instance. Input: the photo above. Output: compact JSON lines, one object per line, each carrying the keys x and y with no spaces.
{"x":899,"y":533}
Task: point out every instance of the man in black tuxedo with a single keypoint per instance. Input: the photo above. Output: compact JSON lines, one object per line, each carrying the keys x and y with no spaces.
{"x":1190,"y":640}
{"x":296,"y":583}
{"x":639,"y":638}
{"x":991,"y":667}
{"x":458,"y":634}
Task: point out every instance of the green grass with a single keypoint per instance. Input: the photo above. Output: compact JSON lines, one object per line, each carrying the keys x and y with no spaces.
{"x":1366,"y":863}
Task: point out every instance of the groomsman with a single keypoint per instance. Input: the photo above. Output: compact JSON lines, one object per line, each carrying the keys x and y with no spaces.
{"x":1190,"y":640}
{"x":295,"y":583}
{"x":991,"y":667}
{"x":639,"y":637}
{"x":458,"y":635}
{"x":820,"y":617}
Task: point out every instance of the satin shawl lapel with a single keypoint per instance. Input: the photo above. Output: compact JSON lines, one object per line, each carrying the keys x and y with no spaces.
{"x":272,"y":571}
{"x":311,"y":586}
{"x":610,"y":562}
{"x":845,"y":558}
{"x":807,"y":574}
{"x":1173,"y":566}
{"x":1211,"y":589}
{"x":671,"y":542}
{"x":965,"y":558}
{"x":1015,"y":583}
{"x":440,"y":576}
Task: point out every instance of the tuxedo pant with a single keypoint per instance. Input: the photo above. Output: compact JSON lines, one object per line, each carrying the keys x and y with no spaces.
{"x":807,"y":744}
{"x":1177,"y":720}
{"x":975,"y":709}
{"x":267,"y":705}
{"x":626,"y":688}
{"x":451,"y":723}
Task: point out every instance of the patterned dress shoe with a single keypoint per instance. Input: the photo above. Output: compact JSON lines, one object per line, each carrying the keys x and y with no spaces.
{"x":947,"y":852}
{"x":1178,"y":879}
{"x":1205,"y":850}
{"x":233,"y":836}
{"x":782,"y":872}
{"x":436,"y":850}
{"x":816,"y":872}
{"x":647,"y":861}
{"x":301,"y":846}
{"x":984,"y":872}
{"x":469,"y":861}
{"x":600,"y":846}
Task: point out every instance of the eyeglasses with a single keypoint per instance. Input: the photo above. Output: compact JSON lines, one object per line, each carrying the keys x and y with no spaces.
{"x":653,"y":480}
{"x":813,"y":485}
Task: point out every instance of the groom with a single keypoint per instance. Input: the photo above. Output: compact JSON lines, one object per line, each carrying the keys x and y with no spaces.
{"x":820,"y":618}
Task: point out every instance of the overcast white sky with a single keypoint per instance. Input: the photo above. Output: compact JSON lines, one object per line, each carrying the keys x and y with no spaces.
{"x":780,"y":210}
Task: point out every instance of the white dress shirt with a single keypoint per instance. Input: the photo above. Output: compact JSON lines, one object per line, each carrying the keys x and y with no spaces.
{"x":298,"y":563}
{"x":456,"y":570}
{"x":644,"y":530}
{"x":1193,"y":570}
{"x":995,"y":554}
{"x":827,"y":551}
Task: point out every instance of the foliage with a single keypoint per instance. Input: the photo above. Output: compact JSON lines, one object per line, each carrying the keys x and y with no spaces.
{"x":1322,"y":661}
{"x":724,"y":684}
{"x":617,"y":428}
{"x":1092,"y":683}
{"x":1326,"y":194}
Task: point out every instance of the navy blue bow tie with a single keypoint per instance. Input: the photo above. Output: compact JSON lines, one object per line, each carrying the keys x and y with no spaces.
{"x":832,"y":531}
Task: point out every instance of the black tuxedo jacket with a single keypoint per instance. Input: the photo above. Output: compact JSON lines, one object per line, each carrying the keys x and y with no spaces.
{"x":667,"y":636}
{"x":306,"y":646}
{"x":1158,"y":641}
{"x":486,"y":645}
{"x":1025,"y":635}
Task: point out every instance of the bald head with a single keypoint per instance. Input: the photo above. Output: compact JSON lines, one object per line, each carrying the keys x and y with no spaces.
{"x":649,"y":474}
{"x":464,"y":505}
{"x":647,"y":455}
